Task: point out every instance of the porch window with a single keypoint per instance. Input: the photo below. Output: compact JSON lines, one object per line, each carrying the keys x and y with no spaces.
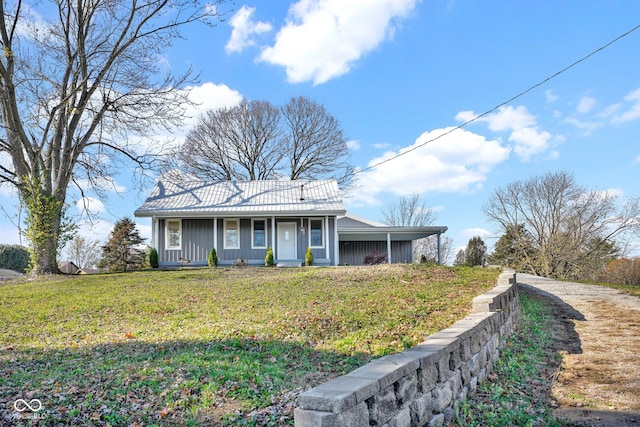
{"x":231,"y":234}
{"x":259,"y":233}
{"x":174,"y":234}
{"x":316,"y":233}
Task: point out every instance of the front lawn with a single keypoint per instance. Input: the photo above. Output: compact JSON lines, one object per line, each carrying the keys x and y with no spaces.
{"x":210,"y":345}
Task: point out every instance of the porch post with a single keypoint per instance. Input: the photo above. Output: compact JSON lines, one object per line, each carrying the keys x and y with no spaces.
{"x":326,"y":238}
{"x":388,"y":248}
{"x":215,"y":234}
{"x":336,"y":242}
{"x":273,"y":234}
{"x":154,"y":233}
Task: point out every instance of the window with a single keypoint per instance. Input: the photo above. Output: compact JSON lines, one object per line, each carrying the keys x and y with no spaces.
{"x":231,"y":234}
{"x":174,"y":234}
{"x":315,"y":233}
{"x":259,"y":233}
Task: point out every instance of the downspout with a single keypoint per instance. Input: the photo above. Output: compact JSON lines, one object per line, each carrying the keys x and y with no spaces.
{"x":388,"y":248}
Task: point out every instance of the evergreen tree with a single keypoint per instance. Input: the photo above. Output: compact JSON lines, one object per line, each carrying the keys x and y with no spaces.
{"x":14,"y":257}
{"x":476,"y":252}
{"x":460,"y":258}
{"x":514,"y":249}
{"x":120,"y":252}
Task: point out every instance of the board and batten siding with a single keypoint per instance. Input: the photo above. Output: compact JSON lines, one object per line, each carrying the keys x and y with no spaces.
{"x":198,"y":238}
{"x":197,"y":241}
{"x":353,"y":252}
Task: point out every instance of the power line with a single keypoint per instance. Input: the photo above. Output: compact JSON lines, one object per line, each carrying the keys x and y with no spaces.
{"x":486,"y":113}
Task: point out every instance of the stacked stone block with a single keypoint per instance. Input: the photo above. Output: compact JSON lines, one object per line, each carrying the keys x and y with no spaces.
{"x":419,"y":386}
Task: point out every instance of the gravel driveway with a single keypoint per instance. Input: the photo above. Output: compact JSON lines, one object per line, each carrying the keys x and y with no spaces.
{"x":599,"y":382}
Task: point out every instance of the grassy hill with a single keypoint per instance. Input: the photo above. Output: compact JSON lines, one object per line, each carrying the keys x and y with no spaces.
{"x":210,"y":345}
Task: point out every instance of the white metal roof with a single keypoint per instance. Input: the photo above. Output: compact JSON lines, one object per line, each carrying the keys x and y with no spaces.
{"x":242,"y":198}
{"x":354,"y":228}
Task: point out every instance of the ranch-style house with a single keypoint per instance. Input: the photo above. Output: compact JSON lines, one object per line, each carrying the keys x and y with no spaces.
{"x":241,"y":220}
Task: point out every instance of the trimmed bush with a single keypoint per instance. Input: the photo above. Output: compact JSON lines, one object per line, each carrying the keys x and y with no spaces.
{"x":268,"y":259}
{"x":375,"y":258}
{"x":212,"y":260}
{"x":308,"y":257}
{"x":153,"y":258}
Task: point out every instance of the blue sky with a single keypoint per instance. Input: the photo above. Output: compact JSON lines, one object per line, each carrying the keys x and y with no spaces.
{"x":397,"y":73}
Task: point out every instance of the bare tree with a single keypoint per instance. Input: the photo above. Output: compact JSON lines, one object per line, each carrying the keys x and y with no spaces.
{"x":408,"y":211}
{"x":76,"y":93}
{"x":571,"y":229}
{"x":256,"y":140}
{"x":426,"y":249}
{"x":316,"y":145}
{"x":83,"y":252}
{"x":243,"y":142}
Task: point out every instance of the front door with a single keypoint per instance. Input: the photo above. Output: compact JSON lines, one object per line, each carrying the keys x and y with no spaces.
{"x":287,"y":247}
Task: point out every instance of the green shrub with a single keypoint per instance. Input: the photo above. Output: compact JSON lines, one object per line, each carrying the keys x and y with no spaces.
{"x":268,"y":259}
{"x":212,"y":260}
{"x":14,"y":257}
{"x":153,"y":258}
{"x":308,"y":257}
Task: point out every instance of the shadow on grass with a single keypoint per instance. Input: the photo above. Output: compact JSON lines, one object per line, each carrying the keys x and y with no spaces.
{"x":165,"y":383}
{"x":566,"y":338}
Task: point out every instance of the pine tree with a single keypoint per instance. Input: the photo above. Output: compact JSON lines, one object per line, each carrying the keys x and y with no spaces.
{"x":460,"y":258}
{"x":476,"y":253}
{"x":120,"y":252}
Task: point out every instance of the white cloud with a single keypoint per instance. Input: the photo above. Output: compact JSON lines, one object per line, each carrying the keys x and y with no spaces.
{"x":456,"y":162}
{"x":381,"y":146}
{"x":91,"y":205}
{"x":632,"y":112}
{"x":586,"y":104}
{"x":323,"y":38}
{"x":354,"y":145}
{"x":244,"y":29}
{"x":585,"y":125}
{"x":525,"y":134}
{"x":469,"y":233}
{"x":210,"y":96}
{"x":551,"y":97}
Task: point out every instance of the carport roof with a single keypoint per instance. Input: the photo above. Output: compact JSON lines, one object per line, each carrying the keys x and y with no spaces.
{"x":354,"y":228}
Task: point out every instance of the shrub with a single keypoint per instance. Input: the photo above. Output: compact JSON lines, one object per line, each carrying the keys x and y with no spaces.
{"x":268,"y":259}
{"x":308,"y":257}
{"x":14,"y":257}
{"x":212,"y":260}
{"x":153,"y":258}
{"x":623,"y":272}
{"x":375,"y":257}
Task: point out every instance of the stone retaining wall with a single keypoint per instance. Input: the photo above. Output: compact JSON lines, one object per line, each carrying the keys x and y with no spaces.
{"x":419,"y":386}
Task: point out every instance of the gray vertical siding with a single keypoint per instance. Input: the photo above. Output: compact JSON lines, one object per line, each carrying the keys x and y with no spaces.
{"x":198,"y":239}
{"x":353,"y":253}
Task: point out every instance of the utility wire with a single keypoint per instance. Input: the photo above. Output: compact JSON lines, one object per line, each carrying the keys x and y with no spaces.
{"x":486,"y":113}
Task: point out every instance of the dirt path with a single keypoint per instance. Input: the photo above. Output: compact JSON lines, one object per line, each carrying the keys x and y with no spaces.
{"x":599,"y":381}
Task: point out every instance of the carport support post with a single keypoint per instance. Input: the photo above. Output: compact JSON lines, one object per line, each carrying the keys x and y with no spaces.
{"x":439,"y":254}
{"x":388,"y":248}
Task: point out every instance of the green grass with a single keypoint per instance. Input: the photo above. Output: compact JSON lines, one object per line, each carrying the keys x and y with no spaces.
{"x":198,"y":345}
{"x":518,"y":390}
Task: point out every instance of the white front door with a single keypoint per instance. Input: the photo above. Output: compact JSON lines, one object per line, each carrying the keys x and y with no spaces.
{"x":287,"y":247}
